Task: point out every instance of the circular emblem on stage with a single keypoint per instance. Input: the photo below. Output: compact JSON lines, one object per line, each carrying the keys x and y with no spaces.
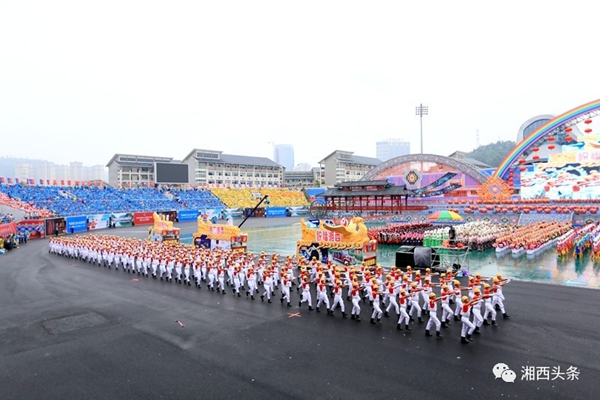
{"x":412,"y":177}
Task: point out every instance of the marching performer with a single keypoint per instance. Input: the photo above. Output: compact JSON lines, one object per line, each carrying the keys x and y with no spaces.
{"x":467,"y":326}
{"x":447,"y":312}
{"x":489,"y":309}
{"x":306,"y":296}
{"x":404,"y":318}
{"x":376,"y":301}
{"x":322,"y":296}
{"x":433,"y":317}
{"x":337,"y":299}
{"x":355,"y":293}
{"x":498,"y":300}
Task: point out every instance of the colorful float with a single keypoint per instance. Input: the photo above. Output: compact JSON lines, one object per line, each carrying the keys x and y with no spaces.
{"x":346,"y":242}
{"x":220,"y":236}
{"x":163,"y":230}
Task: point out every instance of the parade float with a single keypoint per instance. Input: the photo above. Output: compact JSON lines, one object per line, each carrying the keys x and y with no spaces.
{"x":162,"y":230}
{"x":345,"y":242}
{"x":219,"y":236}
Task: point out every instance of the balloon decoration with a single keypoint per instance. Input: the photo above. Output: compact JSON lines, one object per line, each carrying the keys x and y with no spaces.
{"x":536,"y":157}
{"x":551,"y":139}
{"x":588,"y":130}
{"x":536,"y":149}
{"x":569,"y":130}
{"x":568,"y":139}
{"x":522,"y":169}
{"x":588,"y":121}
{"x":522,"y":161}
{"x":551,"y":147}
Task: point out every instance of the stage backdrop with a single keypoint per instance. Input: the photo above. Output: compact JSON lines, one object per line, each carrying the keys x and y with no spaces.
{"x":571,"y":174}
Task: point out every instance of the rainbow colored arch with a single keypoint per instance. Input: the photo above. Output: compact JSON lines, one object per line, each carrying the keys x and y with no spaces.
{"x":542,"y":131}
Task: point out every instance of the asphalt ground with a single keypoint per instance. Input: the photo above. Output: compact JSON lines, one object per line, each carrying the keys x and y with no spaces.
{"x":72,"y":330}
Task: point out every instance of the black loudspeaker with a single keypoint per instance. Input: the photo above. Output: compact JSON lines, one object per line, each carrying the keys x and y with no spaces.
{"x":417,"y":257}
{"x":423,"y":257}
{"x":405,"y":256}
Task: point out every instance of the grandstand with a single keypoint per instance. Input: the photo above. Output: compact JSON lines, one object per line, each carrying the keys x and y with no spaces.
{"x":248,"y":198}
{"x":238,"y":198}
{"x":285,"y":197}
{"x":46,"y":201}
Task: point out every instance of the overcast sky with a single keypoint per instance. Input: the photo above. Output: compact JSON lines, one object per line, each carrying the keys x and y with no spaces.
{"x":83,"y":80}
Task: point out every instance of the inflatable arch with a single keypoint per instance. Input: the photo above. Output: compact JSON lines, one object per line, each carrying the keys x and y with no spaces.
{"x":379,"y":171}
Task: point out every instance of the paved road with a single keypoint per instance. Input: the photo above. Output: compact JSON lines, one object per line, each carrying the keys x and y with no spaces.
{"x":74,"y":330}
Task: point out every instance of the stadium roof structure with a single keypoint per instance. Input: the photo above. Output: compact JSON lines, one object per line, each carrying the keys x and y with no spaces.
{"x":232,"y":159}
{"x":350,"y":158}
{"x":116,"y":158}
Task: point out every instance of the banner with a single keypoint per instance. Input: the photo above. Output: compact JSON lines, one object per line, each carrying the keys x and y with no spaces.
{"x":297,"y":211}
{"x":187,"y":215}
{"x":439,"y":192}
{"x":35,"y":227}
{"x":8,"y":229}
{"x":440,"y":181}
{"x":121,"y":219}
{"x":98,"y":221}
{"x":76,"y":224}
{"x":233,"y":213}
{"x":210,"y":213}
{"x":55,"y":226}
{"x":276,"y":212}
{"x":143,"y":218}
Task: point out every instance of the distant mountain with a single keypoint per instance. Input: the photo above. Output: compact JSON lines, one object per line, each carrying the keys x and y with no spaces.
{"x":493,"y":153}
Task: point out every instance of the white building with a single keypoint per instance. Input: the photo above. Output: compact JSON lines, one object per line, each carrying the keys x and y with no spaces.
{"x":341,"y":166}
{"x":126,"y":170}
{"x":213,"y":167}
{"x":392,"y":148}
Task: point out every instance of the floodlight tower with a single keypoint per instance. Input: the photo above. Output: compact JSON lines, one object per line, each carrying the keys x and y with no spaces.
{"x":421,"y":110}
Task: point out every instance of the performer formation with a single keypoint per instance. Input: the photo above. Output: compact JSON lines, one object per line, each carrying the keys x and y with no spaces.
{"x":406,"y":295}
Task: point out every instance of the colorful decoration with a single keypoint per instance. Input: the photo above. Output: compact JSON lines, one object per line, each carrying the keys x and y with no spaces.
{"x":323,"y":240}
{"x":412,"y":178}
{"x":495,"y":189}
{"x":444,"y":215}
{"x":543,"y":131}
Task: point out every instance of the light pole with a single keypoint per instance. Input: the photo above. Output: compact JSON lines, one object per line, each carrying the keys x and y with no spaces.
{"x":421,"y":110}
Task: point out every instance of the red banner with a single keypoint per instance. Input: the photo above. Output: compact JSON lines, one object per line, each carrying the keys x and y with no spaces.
{"x":8,"y":229}
{"x":143,"y":218}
